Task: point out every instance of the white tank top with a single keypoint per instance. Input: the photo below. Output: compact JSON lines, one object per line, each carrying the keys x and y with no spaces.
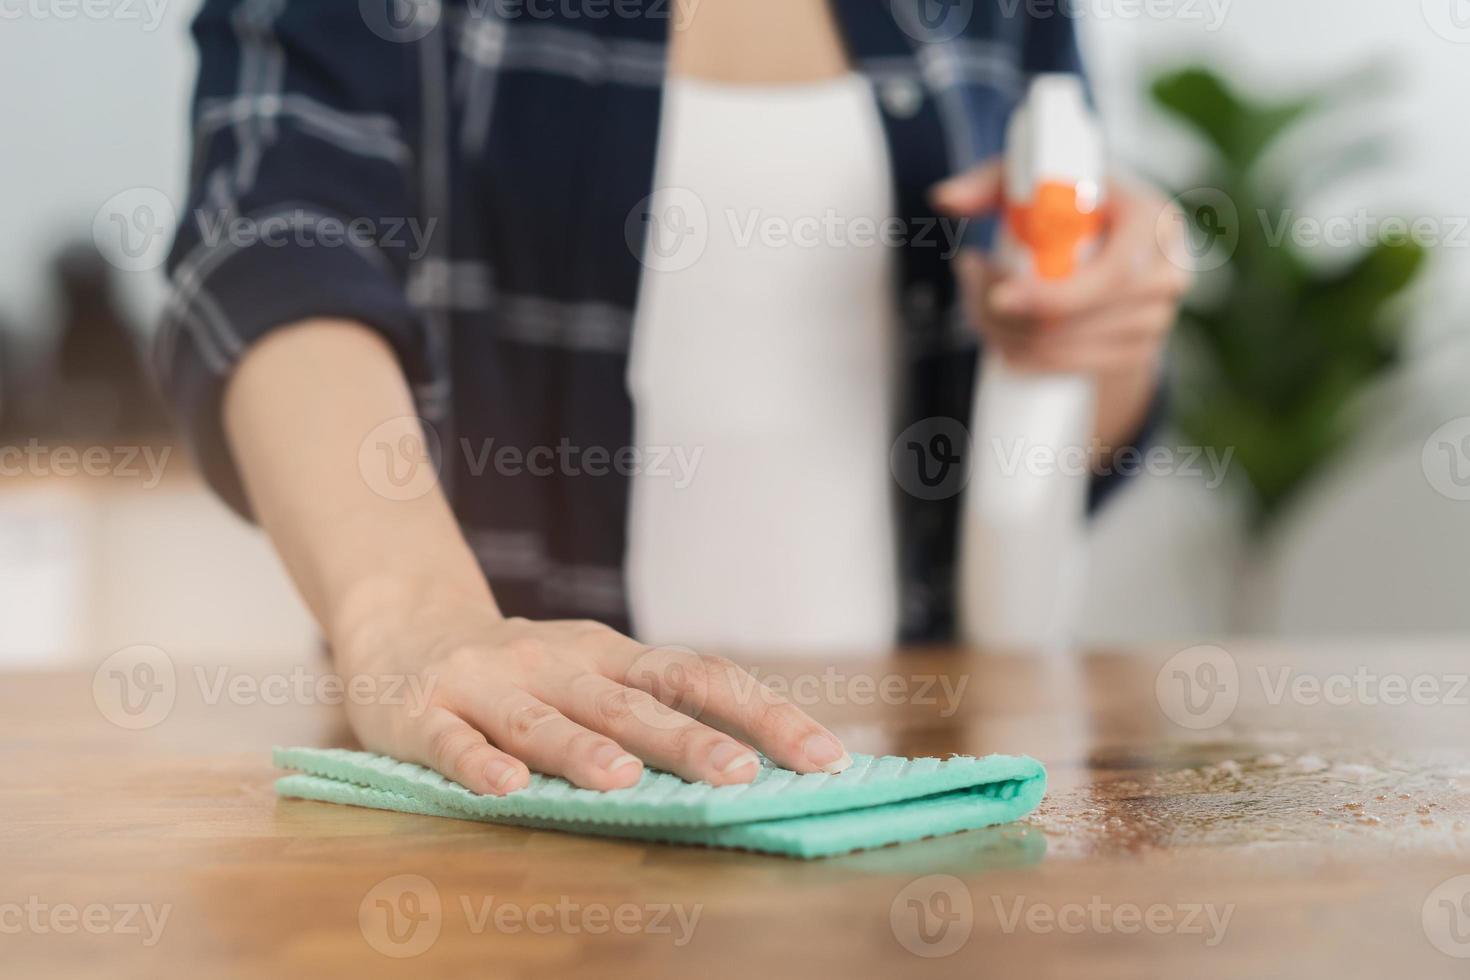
{"x":764,"y":358}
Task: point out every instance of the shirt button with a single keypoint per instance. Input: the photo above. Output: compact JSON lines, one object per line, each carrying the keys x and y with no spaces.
{"x":901,"y":97}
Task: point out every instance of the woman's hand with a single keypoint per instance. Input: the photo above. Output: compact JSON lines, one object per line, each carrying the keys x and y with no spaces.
{"x":496,"y":697}
{"x":1113,"y":316}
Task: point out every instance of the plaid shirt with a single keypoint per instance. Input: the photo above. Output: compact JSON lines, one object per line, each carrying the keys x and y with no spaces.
{"x":462,"y":176}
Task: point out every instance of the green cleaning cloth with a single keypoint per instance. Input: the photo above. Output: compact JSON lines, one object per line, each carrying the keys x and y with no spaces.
{"x":877,"y":801}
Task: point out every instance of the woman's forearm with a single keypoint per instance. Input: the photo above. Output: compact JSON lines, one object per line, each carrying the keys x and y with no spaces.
{"x":297,"y":413}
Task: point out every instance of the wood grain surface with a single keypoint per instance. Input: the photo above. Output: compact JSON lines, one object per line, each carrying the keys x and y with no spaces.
{"x":1213,"y":812}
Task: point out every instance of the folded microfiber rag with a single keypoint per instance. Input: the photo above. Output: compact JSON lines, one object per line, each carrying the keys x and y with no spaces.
{"x":877,"y":801}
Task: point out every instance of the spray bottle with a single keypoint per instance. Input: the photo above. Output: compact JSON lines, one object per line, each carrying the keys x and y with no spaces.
{"x":1022,"y":545}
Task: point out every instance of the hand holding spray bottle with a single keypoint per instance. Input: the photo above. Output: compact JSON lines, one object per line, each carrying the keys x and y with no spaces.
{"x":1022,"y":546}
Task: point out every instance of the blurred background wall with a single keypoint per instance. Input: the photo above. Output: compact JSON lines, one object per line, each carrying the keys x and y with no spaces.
{"x":1373,"y":546}
{"x":95,"y":106}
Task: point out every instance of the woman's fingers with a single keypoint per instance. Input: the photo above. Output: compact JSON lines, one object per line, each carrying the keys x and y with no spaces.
{"x":1111,"y":339}
{"x":547,"y":741}
{"x":588,"y":704}
{"x":723,"y":696}
{"x":974,"y":192}
{"x":1131,"y":264}
{"x":451,"y":746}
{"x":664,"y":738}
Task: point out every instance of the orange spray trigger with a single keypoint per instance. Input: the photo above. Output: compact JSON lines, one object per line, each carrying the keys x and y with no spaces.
{"x":1053,"y":228}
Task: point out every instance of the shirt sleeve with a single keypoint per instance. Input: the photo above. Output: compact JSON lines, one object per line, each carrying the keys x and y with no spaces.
{"x":301,"y":200}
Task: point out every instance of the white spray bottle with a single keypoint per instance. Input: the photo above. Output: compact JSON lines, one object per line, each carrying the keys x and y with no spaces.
{"x":1022,"y":544}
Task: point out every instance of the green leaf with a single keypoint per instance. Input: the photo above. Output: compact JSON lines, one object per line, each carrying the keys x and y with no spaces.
{"x":1274,"y":366}
{"x":1238,"y":129}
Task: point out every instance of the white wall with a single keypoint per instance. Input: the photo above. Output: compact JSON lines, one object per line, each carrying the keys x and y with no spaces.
{"x":1374,"y":547}
{"x":91,"y":106}
{"x":1271,"y":46}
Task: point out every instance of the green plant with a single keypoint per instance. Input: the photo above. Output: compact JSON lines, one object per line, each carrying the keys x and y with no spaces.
{"x":1272,"y":361}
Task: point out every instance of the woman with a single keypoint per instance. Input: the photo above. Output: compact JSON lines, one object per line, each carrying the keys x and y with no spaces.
{"x":526,"y":287}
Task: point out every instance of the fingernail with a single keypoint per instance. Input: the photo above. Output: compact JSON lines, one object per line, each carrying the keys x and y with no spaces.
{"x":500,"y":775}
{"x":728,"y":757}
{"x":611,"y":758}
{"x":824,"y":752}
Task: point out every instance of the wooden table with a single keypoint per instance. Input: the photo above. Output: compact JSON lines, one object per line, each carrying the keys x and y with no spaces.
{"x":1293,"y":835}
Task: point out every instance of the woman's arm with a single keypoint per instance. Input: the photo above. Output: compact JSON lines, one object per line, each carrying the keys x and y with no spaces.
{"x":401,"y":598}
{"x":297,"y":411}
